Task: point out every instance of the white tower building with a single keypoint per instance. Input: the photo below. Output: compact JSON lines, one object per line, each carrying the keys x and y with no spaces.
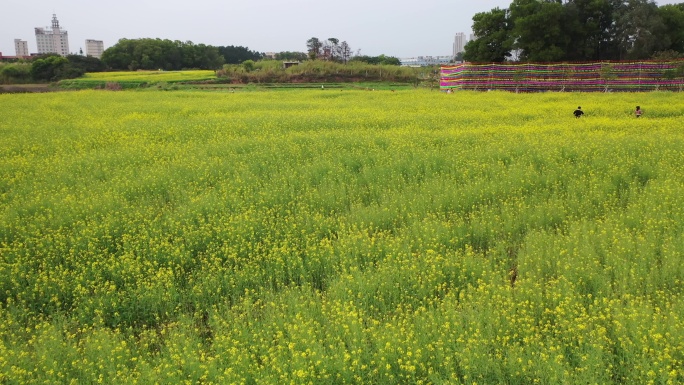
{"x":459,"y":43}
{"x":21,"y":47}
{"x":52,"y":40}
{"x":94,"y":48}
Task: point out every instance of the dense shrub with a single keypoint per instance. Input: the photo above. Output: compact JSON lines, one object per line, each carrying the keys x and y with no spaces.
{"x":15,"y":73}
{"x":318,"y":70}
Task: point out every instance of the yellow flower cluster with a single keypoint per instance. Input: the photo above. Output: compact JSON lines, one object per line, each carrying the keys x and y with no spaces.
{"x":317,"y":237}
{"x":149,"y":76}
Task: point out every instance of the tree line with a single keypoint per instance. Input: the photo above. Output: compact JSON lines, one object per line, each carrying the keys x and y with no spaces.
{"x":334,"y":50}
{"x":126,"y":55}
{"x":155,"y":54}
{"x":577,"y":30}
{"x":152,"y":54}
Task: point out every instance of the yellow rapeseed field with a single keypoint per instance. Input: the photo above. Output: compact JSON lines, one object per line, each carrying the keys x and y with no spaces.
{"x":150,"y":76}
{"x":341,"y":237}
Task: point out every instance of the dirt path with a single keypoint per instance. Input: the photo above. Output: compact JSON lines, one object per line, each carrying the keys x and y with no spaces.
{"x":21,"y":88}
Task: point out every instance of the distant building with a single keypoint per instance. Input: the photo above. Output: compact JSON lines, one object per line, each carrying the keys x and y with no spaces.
{"x":21,"y":47}
{"x":94,"y":48}
{"x":52,"y":40}
{"x":288,"y":64}
{"x":424,"y":61}
{"x":459,"y":43}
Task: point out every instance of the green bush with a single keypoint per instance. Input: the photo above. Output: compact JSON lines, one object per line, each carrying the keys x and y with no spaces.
{"x":15,"y":73}
{"x":53,"y":68}
{"x":317,"y":70}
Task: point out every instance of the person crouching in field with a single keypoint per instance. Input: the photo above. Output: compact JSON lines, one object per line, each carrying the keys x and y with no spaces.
{"x":638,"y":112}
{"x":578,"y":112}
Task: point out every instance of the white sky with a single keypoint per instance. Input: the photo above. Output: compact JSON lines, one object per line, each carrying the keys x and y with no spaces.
{"x":397,"y":28}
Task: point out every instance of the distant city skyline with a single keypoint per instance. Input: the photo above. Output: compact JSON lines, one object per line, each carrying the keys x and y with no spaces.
{"x":399,"y":29}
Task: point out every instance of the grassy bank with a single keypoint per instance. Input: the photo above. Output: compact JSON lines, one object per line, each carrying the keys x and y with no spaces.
{"x":267,"y":74}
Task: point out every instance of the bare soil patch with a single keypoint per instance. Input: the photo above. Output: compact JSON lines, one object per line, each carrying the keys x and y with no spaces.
{"x":25,"y":88}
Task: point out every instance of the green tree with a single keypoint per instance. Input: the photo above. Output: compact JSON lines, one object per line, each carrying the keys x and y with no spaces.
{"x":538,"y":27}
{"x":152,"y":54}
{"x":577,"y":30}
{"x":291,"y":56}
{"x":171,"y":54}
{"x":209,"y":57}
{"x":53,"y":68}
{"x":238,"y":54}
{"x":382,"y":59}
{"x":589,"y":23}
{"x":313,"y":47}
{"x":86,"y":63}
{"x":248,"y":65}
{"x":673,"y":19}
{"x":200,"y":56}
{"x":148,"y":55}
{"x":494,"y":41}
{"x":640,"y":30}
{"x":389,"y":60}
{"x":120,"y":55}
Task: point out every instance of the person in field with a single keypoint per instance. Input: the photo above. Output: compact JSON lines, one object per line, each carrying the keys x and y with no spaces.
{"x":578,"y":112}
{"x":638,"y":112}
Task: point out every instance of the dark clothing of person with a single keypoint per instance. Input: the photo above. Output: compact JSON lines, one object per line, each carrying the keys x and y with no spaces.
{"x":578,"y":113}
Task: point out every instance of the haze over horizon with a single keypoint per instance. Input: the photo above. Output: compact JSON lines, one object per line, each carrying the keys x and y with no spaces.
{"x":401,"y":28}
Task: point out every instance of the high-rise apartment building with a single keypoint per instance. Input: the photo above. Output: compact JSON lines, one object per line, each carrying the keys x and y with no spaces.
{"x":52,"y":40}
{"x":94,"y":48}
{"x":459,"y":43}
{"x":21,"y":47}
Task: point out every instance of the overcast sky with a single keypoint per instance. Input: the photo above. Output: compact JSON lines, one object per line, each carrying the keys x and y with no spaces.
{"x":397,"y":28}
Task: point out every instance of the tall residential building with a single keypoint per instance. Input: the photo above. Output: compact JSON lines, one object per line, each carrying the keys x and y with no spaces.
{"x":94,"y":48}
{"x":459,"y":43}
{"x":21,"y":47}
{"x":52,"y":40}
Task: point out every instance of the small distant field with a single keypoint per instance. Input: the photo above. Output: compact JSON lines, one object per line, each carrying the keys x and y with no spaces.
{"x":136,"y":79}
{"x":341,"y":237}
{"x":151,"y":76}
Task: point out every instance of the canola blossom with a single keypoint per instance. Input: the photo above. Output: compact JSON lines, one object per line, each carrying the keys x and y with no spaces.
{"x":150,"y":76}
{"x":318,"y":237}
{"x":136,"y":79}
